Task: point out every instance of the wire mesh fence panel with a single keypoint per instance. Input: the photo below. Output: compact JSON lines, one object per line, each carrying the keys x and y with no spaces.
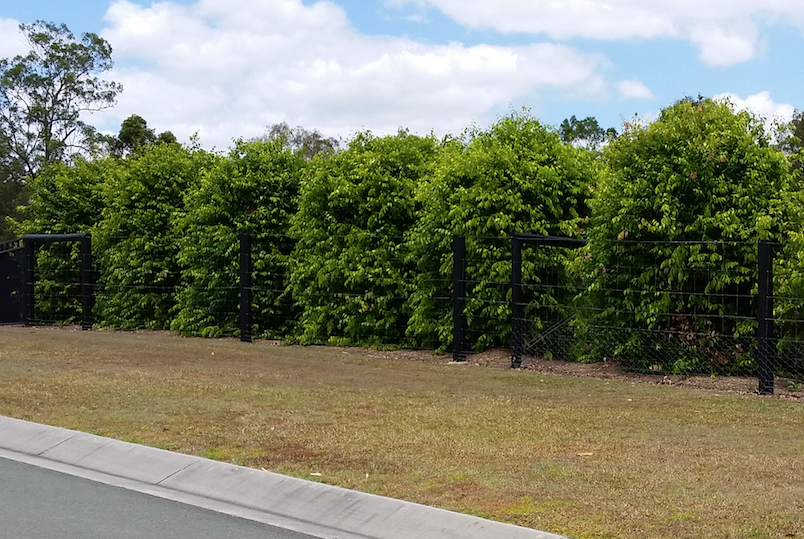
{"x":11,"y":279}
{"x":788,"y":339}
{"x":137,"y":282}
{"x":274,"y":311}
{"x":57,"y":290}
{"x":663,"y":307}
{"x":654,"y":307}
{"x":487,"y":310}
{"x":685,"y":307}
{"x":785,"y":307}
{"x":543,"y":298}
{"x":789,"y":360}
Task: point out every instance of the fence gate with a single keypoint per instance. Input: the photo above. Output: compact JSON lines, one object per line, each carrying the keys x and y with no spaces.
{"x":520,"y":332}
{"x":11,"y":282}
{"x":29,"y":244}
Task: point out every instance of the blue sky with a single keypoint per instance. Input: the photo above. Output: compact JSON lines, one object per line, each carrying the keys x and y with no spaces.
{"x":228,"y":68}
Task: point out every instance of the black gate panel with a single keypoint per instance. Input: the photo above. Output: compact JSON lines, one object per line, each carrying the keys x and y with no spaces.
{"x":11,"y":282}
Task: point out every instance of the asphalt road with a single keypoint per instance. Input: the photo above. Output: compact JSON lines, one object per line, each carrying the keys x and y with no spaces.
{"x":37,"y":503}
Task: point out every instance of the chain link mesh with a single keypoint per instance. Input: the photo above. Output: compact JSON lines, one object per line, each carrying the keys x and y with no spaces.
{"x":664,"y":308}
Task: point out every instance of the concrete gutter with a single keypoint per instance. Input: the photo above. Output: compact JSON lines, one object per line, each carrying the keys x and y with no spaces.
{"x":308,"y":507}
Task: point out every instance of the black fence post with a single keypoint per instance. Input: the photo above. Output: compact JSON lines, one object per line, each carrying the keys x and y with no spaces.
{"x":458,"y":298}
{"x":28,"y":281}
{"x":87,"y":293}
{"x":517,"y":308}
{"x":766,"y":347}
{"x":245,"y":287}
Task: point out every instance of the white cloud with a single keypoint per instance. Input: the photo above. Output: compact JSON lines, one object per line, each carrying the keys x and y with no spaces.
{"x":13,"y":41}
{"x":229,"y":68}
{"x":724,"y":30}
{"x":725,"y":46}
{"x":760,"y":103}
{"x":634,"y":89}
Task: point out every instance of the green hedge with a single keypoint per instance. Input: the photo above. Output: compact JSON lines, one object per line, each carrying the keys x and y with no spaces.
{"x":136,"y":237}
{"x":700,"y":173}
{"x":351,"y":273}
{"x":516,"y":176}
{"x":252,"y":190}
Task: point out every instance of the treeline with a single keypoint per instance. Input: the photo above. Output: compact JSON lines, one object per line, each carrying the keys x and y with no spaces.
{"x":353,"y":244}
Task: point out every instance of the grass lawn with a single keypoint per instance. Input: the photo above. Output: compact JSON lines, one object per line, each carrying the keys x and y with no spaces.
{"x":580,"y":457}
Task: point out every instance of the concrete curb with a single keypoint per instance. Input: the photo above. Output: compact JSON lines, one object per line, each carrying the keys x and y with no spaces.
{"x":315,"y":508}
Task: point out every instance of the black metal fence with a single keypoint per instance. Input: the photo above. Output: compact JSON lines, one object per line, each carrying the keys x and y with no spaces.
{"x":19,"y":276}
{"x":660,"y":307}
{"x":11,"y":282}
{"x":709,"y":311}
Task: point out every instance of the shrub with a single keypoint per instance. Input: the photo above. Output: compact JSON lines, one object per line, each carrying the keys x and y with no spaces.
{"x":252,"y":190}
{"x":516,"y":176}
{"x":136,"y":238}
{"x":701,"y":173}
{"x":350,"y":272}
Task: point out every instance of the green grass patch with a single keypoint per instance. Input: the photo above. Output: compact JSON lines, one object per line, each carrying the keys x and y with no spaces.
{"x":584,"y":458}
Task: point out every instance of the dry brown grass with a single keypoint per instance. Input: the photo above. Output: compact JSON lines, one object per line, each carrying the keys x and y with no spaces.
{"x":581,"y":457}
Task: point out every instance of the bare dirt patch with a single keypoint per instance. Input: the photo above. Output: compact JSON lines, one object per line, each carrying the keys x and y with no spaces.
{"x":500,"y":358}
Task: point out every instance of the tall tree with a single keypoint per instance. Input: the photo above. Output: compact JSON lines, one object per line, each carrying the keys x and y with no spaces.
{"x":790,"y":139}
{"x":44,"y":93}
{"x":585,"y":133}
{"x":134,"y":135}
{"x":307,"y":143}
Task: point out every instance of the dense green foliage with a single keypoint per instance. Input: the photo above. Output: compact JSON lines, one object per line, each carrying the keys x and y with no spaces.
{"x":251,"y":191}
{"x":354,"y":245}
{"x":350,"y":272}
{"x":515,"y":177}
{"x":675,"y":221}
{"x":136,"y":237}
{"x":64,"y":199}
{"x":12,"y":196}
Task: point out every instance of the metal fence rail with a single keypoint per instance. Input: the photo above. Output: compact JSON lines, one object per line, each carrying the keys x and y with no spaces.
{"x":721,"y":317}
{"x":710,"y":314}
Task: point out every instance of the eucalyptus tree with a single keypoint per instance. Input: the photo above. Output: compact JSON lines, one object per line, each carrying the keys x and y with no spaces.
{"x":44,"y":94}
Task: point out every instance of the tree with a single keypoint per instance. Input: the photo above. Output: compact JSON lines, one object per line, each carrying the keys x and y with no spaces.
{"x":516,"y":176}
{"x":300,"y":140}
{"x":135,"y":135}
{"x":44,"y":93}
{"x":790,"y":139}
{"x":585,"y":133}
{"x":675,"y":220}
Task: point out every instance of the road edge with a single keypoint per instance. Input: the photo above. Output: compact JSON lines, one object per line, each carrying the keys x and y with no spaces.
{"x":312,"y":508}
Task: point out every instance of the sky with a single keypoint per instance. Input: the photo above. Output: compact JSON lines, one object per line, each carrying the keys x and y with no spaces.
{"x":229,"y":69}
